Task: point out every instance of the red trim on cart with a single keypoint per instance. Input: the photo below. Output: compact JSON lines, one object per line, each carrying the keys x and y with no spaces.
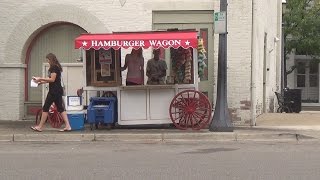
{"x":155,"y":39}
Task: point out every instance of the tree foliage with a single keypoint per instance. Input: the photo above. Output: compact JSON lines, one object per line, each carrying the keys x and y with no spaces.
{"x":302,"y":27}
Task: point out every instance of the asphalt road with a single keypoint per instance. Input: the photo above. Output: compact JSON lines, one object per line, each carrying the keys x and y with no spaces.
{"x":152,"y":161}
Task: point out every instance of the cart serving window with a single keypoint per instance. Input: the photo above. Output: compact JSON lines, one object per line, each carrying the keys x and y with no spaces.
{"x":168,"y":79}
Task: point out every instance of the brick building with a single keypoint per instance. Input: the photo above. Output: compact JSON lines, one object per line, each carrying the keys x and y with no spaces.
{"x":30,"y":30}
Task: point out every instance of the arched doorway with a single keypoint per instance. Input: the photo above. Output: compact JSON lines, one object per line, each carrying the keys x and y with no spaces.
{"x":58,"y":39}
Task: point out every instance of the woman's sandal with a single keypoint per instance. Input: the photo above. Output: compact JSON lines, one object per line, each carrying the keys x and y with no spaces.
{"x":35,"y":129}
{"x":65,"y":130}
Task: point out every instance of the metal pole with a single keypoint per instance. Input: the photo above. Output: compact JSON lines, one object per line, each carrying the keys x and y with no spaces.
{"x":283,"y":58}
{"x":221,"y":121}
{"x":283,"y":48}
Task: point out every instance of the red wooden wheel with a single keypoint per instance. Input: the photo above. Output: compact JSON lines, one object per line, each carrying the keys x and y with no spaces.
{"x":54,"y":117}
{"x":190,"y":109}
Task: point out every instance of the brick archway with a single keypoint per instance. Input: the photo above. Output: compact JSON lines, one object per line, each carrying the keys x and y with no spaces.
{"x":25,"y":32}
{"x":27,"y":29}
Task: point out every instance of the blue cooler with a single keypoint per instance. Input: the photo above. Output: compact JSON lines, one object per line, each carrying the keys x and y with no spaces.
{"x":76,"y":120}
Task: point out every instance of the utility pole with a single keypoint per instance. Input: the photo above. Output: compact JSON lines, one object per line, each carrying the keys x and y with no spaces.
{"x":221,"y":121}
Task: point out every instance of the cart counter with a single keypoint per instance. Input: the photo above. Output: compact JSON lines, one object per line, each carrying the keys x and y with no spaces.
{"x":147,"y":104}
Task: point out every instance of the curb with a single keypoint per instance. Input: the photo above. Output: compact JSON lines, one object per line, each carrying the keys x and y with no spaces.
{"x":266,"y":137}
{"x":207,"y":136}
{"x":286,"y":128}
{"x":6,"y":138}
{"x":157,"y":137}
{"x":52,"y":137}
{"x":128,"y":137}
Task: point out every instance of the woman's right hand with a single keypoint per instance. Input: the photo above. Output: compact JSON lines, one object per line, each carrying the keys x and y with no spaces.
{"x":36,"y":79}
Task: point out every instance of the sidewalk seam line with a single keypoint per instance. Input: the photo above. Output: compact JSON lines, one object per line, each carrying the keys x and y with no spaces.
{"x":162,"y":137}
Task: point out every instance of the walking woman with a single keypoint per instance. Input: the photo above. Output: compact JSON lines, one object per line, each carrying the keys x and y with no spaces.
{"x":55,"y":93}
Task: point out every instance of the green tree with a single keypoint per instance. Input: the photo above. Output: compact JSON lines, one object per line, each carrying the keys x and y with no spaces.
{"x":302,"y":28}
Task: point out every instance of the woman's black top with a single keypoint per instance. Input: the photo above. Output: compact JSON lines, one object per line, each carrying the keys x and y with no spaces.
{"x":55,"y":87}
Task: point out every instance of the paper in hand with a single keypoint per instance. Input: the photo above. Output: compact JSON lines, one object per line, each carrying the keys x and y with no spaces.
{"x":33,"y":83}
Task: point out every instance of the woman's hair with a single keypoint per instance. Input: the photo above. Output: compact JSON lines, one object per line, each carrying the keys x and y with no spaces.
{"x":53,"y":61}
{"x":138,"y":51}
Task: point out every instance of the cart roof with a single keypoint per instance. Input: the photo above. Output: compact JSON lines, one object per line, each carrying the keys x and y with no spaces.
{"x":154,"y":39}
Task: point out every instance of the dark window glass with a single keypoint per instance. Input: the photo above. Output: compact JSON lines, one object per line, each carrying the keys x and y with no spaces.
{"x":313,"y":80}
{"x":314,"y":67}
{"x":301,"y":81}
{"x":301,"y":68}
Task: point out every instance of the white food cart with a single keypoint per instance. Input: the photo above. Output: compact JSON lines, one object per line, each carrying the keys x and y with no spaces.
{"x":177,"y":101}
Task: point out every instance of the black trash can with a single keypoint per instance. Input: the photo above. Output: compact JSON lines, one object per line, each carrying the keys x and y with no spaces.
{"x":295,"y":96}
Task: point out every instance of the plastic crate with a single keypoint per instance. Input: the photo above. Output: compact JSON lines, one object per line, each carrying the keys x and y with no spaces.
{"x":101,"y":110}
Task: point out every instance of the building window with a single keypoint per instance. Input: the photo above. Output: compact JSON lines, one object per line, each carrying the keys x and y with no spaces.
{"x":307,"y":74}
{"x":313,"y":74}
{"x":301,"y":74}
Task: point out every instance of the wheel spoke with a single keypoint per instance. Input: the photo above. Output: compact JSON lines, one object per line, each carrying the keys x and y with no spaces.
{"x":197,"y":115}
{"x":203,"y":109}
{"x":190,"y":120}
{"x":183,"y":99}
{"x":202,"y":114}
{"x":180,"y":107}
{"x":178,"y":103}
{"x":194,"y":95}
{"x":201,"y":122}
{"x":183,"y":118}
{"x":55,"y":119}
{"x":195,"y":122}
{"x":176,"y":112}
{"x":202,"y":118}
{"x":178,"y":118}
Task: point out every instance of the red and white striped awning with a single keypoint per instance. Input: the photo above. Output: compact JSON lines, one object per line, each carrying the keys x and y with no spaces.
{"x":154,"y":39}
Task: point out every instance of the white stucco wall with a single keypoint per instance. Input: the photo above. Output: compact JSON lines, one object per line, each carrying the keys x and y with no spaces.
{"x":20,"y":22}
{"x":267,"y":19}
{"x":239,"y":58}
{"x":291,"y":77}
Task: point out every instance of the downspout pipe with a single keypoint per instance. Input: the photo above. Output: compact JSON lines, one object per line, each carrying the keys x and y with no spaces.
{"x":253,"y":70}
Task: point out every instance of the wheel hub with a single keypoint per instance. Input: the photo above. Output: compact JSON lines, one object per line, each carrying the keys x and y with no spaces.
{"x":190,"y":109}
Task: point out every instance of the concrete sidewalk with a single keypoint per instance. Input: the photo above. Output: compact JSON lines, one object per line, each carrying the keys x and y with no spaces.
{"x":270,"y":127}
{"x":305,"y":120}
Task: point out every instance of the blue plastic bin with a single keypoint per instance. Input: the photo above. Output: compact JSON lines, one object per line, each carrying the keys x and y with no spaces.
{"x":76,"y":120}
{"x":102,"y":110}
